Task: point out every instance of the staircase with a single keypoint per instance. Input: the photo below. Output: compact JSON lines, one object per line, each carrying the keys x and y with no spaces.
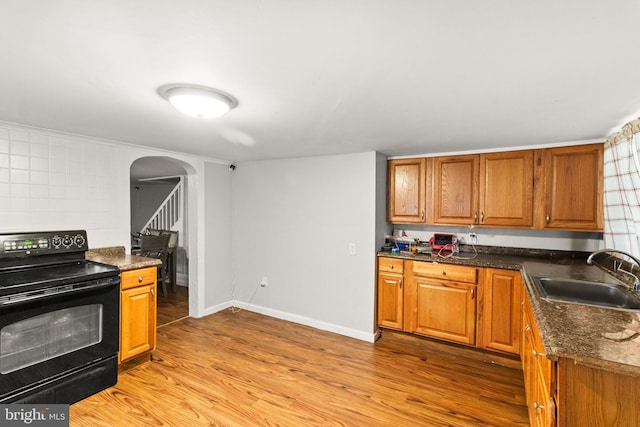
{"x":170,"y":214}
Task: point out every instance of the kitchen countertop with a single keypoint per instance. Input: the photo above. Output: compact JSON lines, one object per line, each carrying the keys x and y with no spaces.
{"x":592,"y":336}
{"x":116,"y":256}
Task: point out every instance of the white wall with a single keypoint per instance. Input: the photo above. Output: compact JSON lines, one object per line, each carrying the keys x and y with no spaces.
{"x":217,"y":210}
{"x":293,"y":221}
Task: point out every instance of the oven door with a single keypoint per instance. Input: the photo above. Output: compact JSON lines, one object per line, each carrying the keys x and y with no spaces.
{"x":50,"y":337}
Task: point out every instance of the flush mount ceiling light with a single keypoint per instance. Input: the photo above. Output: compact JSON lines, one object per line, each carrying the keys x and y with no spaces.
{"x":198,"y":101}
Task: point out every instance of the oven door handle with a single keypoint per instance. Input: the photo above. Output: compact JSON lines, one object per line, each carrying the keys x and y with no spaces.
{"x":57,"y":291}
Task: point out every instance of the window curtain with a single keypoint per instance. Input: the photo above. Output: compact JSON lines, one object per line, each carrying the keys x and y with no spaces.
{"x":622,"y":189}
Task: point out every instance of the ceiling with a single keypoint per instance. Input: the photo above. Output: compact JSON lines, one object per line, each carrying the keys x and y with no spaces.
{"x":404,"y":77}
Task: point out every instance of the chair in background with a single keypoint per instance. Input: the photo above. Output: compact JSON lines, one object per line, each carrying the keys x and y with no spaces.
{"x":172,"y":264}
{"x":157,"y":247}
{"x":172,"y":257}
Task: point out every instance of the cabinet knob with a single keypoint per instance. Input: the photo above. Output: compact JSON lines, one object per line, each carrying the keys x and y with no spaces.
{"x":139,"y":279}
{"x":444,"y":273}
{"x":391,"y":267}
{"x":536,"y":405}
{"x":482,"y":216}
{"x":548,"y":218}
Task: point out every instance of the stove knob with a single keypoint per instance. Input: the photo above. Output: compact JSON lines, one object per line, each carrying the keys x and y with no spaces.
{"x":79,"y":240}
{"x":56,"y":241}
{"x":67,"y":241}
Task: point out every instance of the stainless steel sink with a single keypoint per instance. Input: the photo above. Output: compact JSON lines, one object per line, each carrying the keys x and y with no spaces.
{"x":587,"y":292}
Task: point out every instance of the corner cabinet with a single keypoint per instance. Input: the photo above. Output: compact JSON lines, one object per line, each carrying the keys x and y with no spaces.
{"x":406,"y":191}
{"x":500,"y":322}
{"x":137,"y":312}
{"x":390,"y":292}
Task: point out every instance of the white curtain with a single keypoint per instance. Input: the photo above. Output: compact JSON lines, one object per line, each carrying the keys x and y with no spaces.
{"x":622,"y":189}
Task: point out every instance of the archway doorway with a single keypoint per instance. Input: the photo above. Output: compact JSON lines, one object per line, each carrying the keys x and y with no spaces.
{"x":159,"y":206}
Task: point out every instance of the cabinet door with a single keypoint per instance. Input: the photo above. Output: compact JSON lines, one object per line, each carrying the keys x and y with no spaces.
{"x":506,"y":188}
{"x":455,"y":190}
{"x":501,"y":323}
{"x":137,"y":320}
{"x":573,"y":187}
{"x":445,"y":310}
{"x":390,"y":300}
{"x":406,"y":189}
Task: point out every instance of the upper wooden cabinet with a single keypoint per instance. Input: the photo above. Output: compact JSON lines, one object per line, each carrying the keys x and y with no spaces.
{"x":494,"y":189}
{"x":506,"y":189}
{"x":553,"y":188}
{"x":455,"y":189}
{"x":406,"y":191}
{"x":570,"y":190}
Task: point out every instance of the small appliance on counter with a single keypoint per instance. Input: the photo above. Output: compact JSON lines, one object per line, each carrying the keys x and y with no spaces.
{"x":443,"y":241}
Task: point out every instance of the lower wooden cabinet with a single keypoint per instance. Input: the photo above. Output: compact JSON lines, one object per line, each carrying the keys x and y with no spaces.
{"x":445,"y":310}
{"x":462,"y":304}
{"x":440,"y":301}
{"x":539,"y":373}
{"x":137,"y":312}
{"x":390,"y":293}
{"x":500,"y":323}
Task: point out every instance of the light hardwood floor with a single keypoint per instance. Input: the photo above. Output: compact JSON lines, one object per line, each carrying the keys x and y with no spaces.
{"x":245,"y":369}
{"x":174,"y":306}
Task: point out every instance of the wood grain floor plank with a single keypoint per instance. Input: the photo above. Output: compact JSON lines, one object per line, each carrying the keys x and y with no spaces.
{"x":244,"y":369}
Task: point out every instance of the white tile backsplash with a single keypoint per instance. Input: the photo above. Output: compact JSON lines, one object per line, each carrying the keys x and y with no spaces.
{"x":18,"y":162}
{"x":39,"y":164}
{"x":19,"y":147}
{"x":50,"y":180}
{"x":19,"y":176}
{"x":18,"y":135}
{"x":39,"y":150}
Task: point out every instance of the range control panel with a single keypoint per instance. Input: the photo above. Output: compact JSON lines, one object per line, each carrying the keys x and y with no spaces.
{"x":43,"y":242}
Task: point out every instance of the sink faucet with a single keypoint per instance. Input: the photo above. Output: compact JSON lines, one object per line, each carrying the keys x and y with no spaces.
{"x":636,"y":280}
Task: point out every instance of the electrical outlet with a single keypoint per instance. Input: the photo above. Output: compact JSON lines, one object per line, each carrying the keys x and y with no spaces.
{"x":264,"y":282}
{"x":352,"y":249}
{"x":473,"y":239}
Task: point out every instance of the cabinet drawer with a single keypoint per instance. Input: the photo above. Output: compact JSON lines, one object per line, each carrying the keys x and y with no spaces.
{"x":391,"y":265}
{"x":139,"y":277}
{"x":455,"y":273}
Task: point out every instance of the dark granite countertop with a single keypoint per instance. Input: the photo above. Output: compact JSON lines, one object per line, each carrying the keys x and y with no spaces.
{"x":597,"y":337}
{"x":116,"y":256}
